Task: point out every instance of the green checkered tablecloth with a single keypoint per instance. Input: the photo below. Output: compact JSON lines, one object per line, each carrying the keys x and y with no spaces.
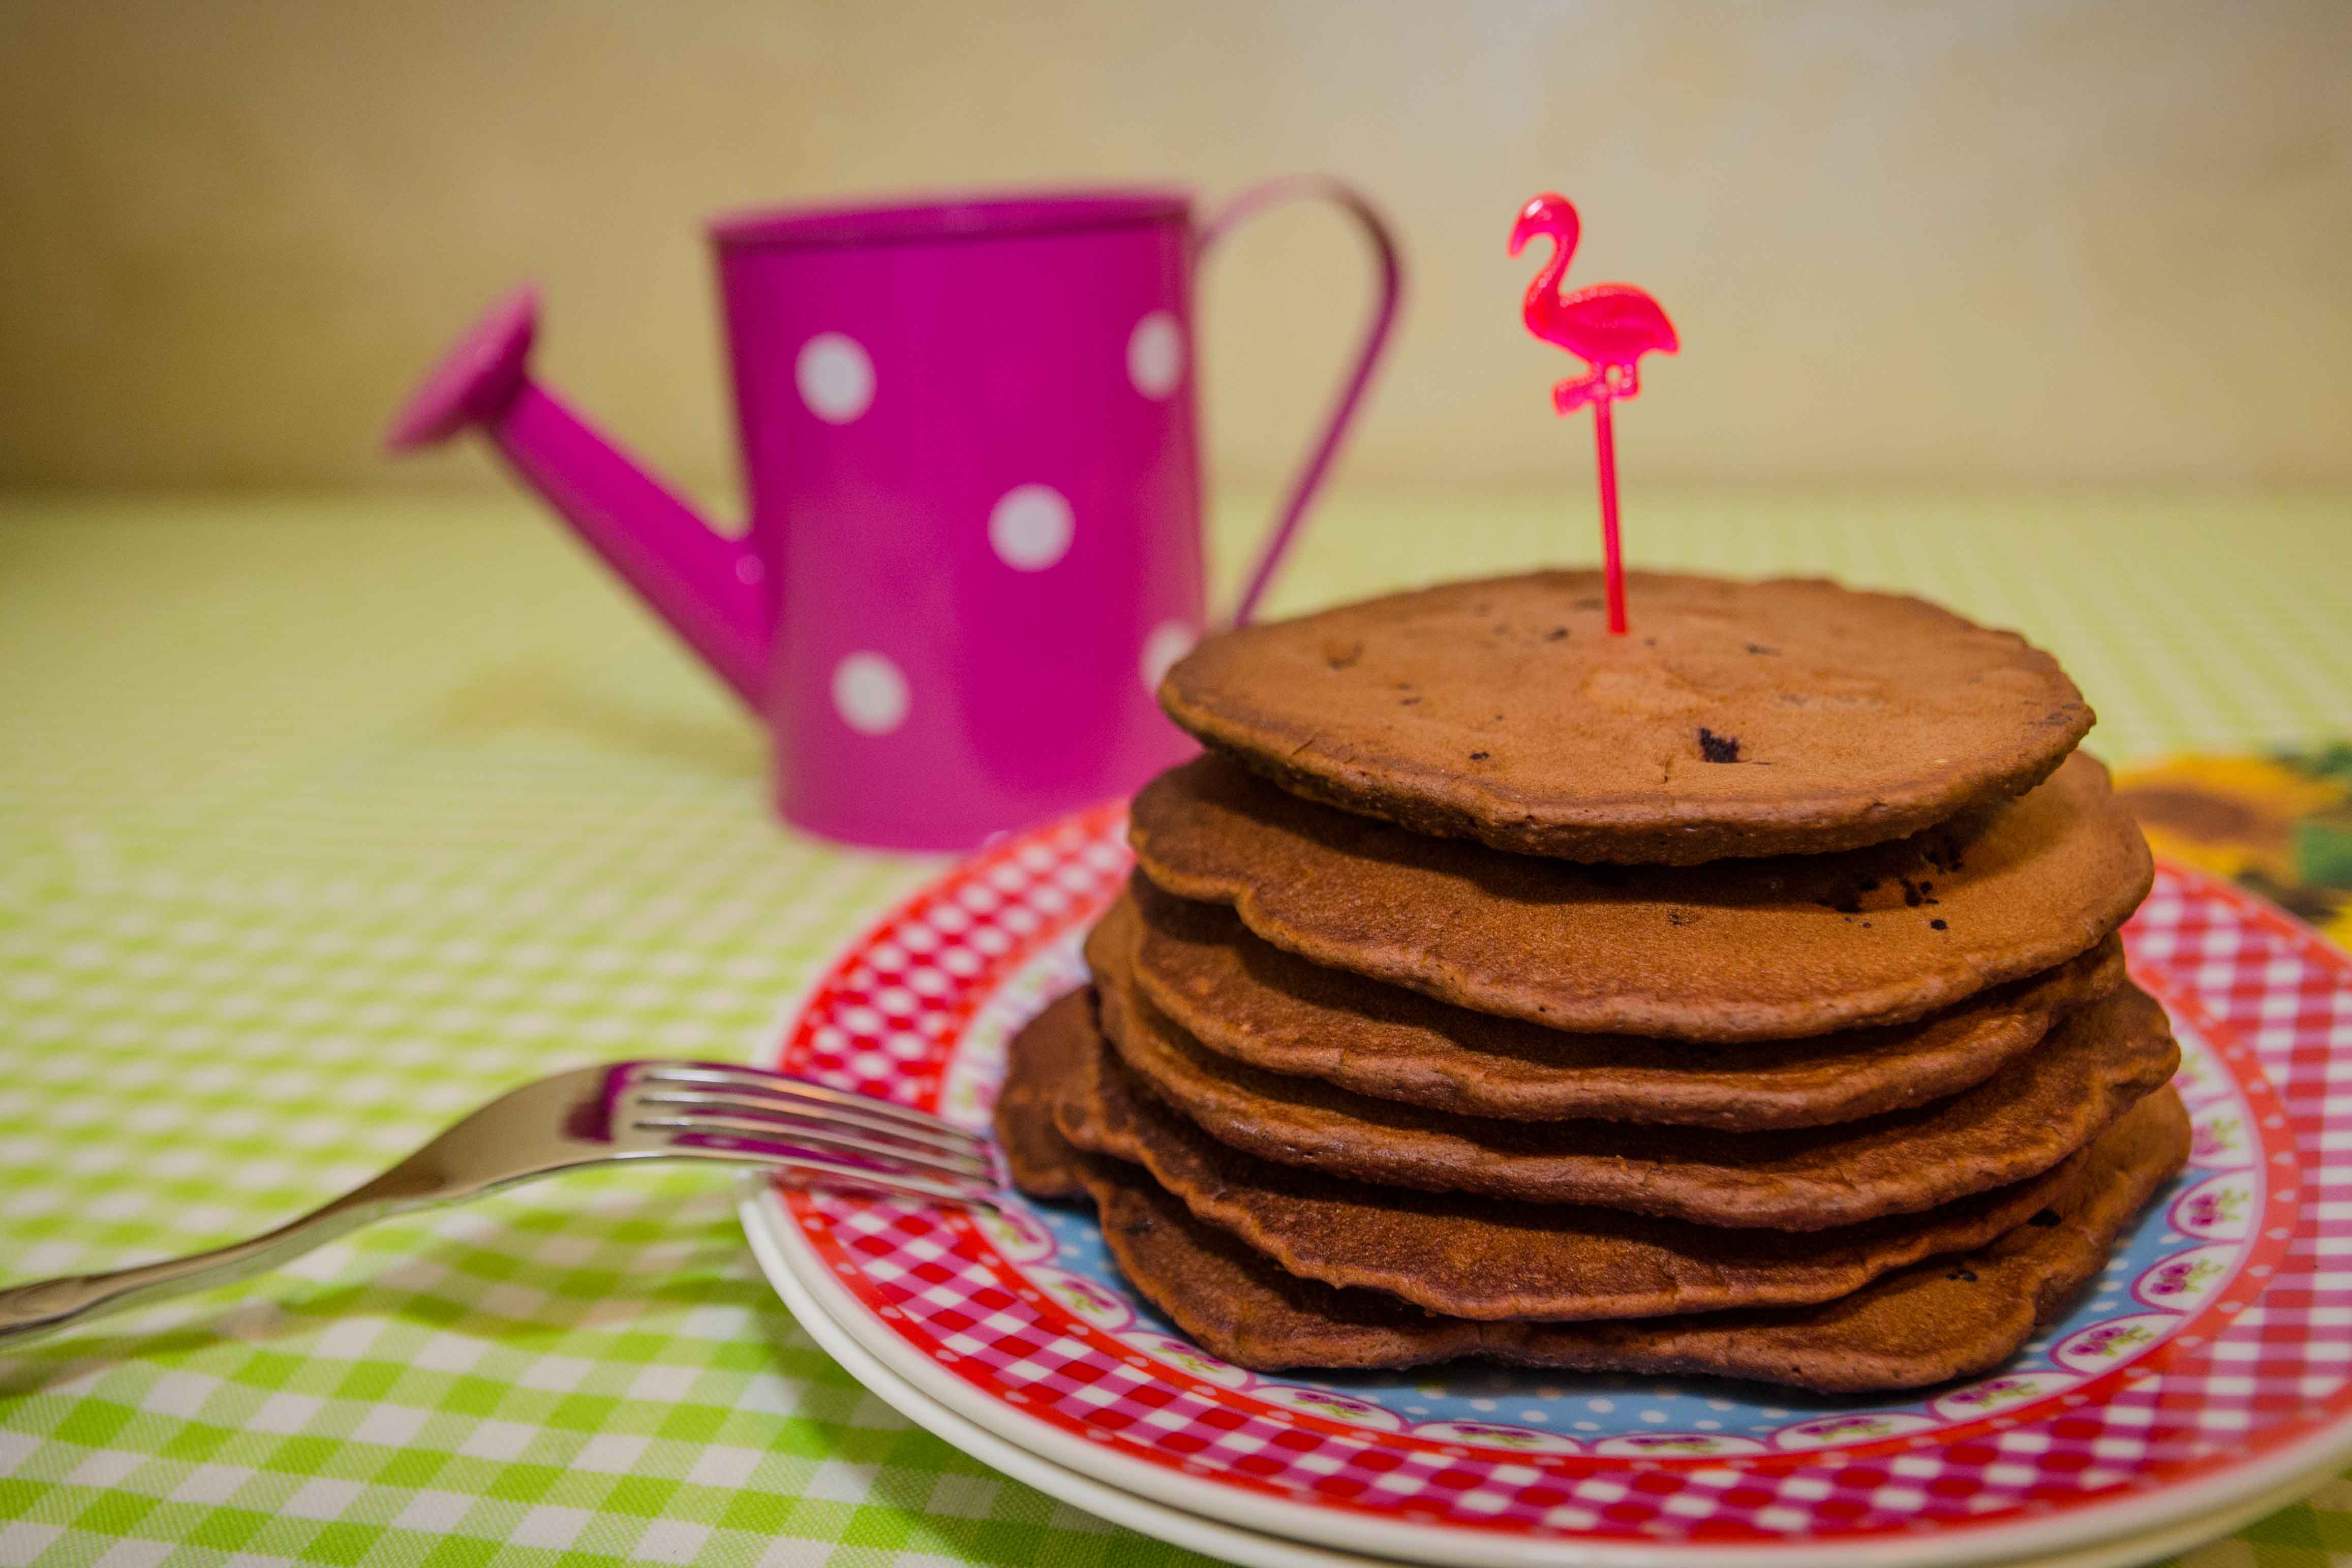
{"x":322,"y":821}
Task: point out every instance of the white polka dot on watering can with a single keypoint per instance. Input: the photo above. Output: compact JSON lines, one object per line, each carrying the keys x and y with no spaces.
{"x":1030,"y":528}
{"x":1155,"y":354}
{"x":869,"y":693}
{"x":835,"y":377}
{"x":1170,"y":641}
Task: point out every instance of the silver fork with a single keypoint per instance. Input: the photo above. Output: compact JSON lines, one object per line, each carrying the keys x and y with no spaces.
{"x":590,"y":1116}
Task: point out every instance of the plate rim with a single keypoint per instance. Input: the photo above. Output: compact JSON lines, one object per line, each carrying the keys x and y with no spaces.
{"x":1196,"y":1532}
{"x":2283,"y":1474}
{"x":1037,"y":1469}
{"x":2127,"y":1516}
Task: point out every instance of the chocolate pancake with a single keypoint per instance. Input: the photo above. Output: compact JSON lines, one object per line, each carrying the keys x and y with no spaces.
{"x":1252,"y":1002}
{"x":1936,"y":1321}
{"x":1053,"y":1046}
{"x":1741,"y":718}
{"x":2015,"y":1125}
{"x":1476,"y":1258}
{"x":1736,"y":950}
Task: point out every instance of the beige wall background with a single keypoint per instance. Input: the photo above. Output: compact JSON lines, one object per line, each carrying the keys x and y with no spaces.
{"x":1989,"y":240}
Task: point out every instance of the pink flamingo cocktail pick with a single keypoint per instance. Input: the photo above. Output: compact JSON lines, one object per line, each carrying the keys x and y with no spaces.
{"x":1610,"y":325}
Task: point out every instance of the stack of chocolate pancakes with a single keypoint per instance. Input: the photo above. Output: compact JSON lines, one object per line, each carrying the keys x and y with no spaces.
{"x":1741,"y":996}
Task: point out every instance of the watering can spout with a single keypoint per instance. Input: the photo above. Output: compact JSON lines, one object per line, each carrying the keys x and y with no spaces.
{"x":709,"y":588}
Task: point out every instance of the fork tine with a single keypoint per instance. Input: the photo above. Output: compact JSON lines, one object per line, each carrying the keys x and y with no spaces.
{"x":785,"y":1086}
{"x":814,"y":1135}
{"x":758,"y":1100}
{"x":829,"y":1173}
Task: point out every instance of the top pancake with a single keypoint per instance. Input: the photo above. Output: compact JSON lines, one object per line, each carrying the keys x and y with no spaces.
{"x":1786,"y":716}
{"x":1734,"y":950}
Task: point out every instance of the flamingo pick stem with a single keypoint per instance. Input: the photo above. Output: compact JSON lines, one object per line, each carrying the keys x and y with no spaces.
{"x":1613,"y":564}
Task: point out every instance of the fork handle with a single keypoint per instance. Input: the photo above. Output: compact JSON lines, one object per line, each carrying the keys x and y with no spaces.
{"x":44,"y":1306}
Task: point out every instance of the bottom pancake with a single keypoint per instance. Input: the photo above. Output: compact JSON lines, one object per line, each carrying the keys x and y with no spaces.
{"x":1924,"y":1324}
{"x":1042,"y":1055}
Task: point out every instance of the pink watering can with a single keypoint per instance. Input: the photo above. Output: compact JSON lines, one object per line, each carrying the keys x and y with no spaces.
{"x":972,"y":450}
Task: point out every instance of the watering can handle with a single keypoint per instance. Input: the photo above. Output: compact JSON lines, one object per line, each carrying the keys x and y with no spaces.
{"x":1391,"y":286}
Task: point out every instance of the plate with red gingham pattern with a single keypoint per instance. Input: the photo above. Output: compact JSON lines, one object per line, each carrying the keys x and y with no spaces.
{"x":2207,"y":1369}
